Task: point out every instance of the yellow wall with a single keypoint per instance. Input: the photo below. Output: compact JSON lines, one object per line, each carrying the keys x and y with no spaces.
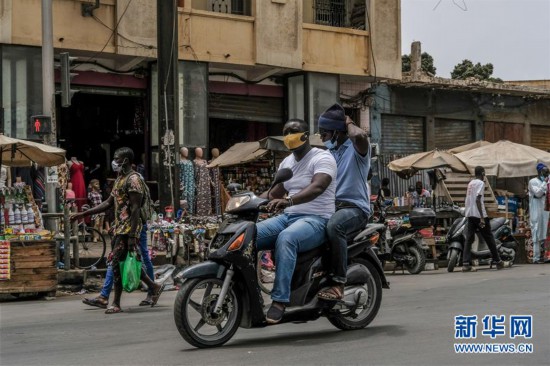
{"x":278,"y":36}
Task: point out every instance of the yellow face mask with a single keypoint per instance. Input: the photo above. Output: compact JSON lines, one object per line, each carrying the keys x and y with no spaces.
{"x":294,"y":140}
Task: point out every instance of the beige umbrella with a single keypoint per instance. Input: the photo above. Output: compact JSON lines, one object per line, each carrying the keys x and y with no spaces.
{"x":473,"y":145}
{"x":505,"y":159}
{"x":406,"y":167}
{"x":18,"y":152}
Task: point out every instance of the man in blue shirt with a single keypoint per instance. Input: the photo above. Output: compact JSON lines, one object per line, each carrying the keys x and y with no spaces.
{"x":349,"y":144}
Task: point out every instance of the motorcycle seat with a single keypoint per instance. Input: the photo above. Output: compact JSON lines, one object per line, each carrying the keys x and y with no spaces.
{"x":310,"y":254}
{"x":497,"y":222}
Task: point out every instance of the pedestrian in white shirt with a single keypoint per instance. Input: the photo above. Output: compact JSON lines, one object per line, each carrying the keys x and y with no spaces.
{"x":478,"y":220}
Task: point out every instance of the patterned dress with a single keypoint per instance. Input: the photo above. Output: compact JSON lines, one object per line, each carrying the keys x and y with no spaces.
{"x":187,"y":183}
{"x":202,"y":179}
{"x":216,"y":192}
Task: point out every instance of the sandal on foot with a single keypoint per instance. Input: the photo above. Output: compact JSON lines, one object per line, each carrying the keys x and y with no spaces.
{"x":332,"y":293}
{"x":146,"y":302}
{"x":96,"y":301}
{"x":113,"y":309}
{"x":156,"y":296}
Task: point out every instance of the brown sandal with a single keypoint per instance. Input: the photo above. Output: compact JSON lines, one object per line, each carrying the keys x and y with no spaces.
{"x":332,"y":293}
{"x":99,"y":302}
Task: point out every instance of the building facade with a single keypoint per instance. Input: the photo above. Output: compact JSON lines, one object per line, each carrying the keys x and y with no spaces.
{"x":244,"y":67}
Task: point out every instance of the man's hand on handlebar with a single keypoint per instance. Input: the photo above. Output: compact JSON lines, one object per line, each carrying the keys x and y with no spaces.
{"x":277,"y":204}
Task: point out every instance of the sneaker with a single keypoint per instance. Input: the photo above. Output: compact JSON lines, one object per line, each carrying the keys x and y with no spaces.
{"x":468,"y":269}
{"x":275,"y":312}
{"x":503,"y":264}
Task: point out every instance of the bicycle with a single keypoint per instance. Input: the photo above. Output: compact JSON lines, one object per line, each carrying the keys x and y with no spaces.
{"x":91,"y":247}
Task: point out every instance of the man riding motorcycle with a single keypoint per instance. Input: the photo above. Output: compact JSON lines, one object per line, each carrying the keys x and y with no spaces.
{"x":349,"y":144}
{"x":308,"y":205}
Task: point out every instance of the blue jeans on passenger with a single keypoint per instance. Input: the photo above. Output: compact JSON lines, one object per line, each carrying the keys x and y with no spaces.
{"x":289,"y":234}
{"x":341,"y":227}
{"x":145,"y":260}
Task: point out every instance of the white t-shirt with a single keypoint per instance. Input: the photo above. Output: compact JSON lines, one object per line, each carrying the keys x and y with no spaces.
{"x":316,"y":161}
{"x":475,"y":188}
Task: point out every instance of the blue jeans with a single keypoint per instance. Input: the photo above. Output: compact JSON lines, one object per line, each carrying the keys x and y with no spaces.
{"x":145,"y":260}
{"x":342,"y":226}
{"x":289,"y":234}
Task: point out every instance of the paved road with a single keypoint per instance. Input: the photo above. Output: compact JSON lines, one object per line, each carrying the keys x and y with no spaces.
{"x":414,"y":327}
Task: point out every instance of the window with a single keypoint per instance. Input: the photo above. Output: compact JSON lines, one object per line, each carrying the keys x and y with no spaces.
{"x":238,"y":7}
{"x":330,"y":12}
{"x":340,"y":13}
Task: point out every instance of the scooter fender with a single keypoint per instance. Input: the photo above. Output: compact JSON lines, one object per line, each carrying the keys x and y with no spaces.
{"x":206,"y":269}
{"x":456,"y":245}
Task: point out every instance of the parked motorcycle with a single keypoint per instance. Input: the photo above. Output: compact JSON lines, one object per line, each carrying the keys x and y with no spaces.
{"x":506,"y":243}
{"x":403,"y":243}
{"x":222,"y":294}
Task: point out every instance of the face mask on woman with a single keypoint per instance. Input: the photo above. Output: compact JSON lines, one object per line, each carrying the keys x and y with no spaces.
{"x":295,"y":140}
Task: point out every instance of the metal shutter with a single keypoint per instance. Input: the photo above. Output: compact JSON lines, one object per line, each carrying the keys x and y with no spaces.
{"x":540,"y":137}
{"x":402,"y":134}
{"x":451,"y":133}
{"x":245,"y":108}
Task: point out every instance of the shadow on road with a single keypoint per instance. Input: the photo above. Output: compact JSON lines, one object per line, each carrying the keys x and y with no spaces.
{"x":313,"y":337}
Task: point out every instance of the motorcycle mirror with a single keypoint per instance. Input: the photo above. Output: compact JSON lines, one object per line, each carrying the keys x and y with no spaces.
{"x":281,"y":176}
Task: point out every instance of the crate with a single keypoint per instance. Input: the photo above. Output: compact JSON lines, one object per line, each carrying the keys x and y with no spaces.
{"x":32,"y":268}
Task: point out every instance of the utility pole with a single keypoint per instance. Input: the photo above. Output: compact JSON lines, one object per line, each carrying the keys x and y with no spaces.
{"x":48,"y":89}
{"x":167,"y":59}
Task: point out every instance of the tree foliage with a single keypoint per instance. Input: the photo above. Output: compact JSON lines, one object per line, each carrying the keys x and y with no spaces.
{"x":427,"y":63}
{"x":467,"y":69}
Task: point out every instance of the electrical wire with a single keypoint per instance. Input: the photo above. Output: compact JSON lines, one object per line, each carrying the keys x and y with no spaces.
{"x":370,"y":41}
{"x":111,"y":36}
{"x":143,"y":45}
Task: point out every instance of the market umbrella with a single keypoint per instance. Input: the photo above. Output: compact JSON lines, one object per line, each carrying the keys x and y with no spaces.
{"x":18,"y":152}
{"x":240,"y":153}
{"x":470,"y":146}
{"x":505,"y":159}
{"x":408,"y":166}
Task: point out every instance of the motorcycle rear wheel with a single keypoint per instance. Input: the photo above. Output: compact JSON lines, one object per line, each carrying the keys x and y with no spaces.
{"x":194,"y":317}
{"x":362,"y":316}
{"x":419,"y":260}
{"x":453,"y":260}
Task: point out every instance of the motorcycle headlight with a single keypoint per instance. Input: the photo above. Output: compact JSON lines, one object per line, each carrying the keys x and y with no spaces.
{"x":236,"y":202}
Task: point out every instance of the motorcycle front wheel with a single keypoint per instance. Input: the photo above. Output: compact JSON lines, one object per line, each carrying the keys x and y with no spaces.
{"x":453,"y":260}
{"x":361,"y":316}
{"x":194,"y":313}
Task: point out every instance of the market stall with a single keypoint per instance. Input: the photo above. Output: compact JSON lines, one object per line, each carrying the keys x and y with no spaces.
{"x":252,"y":164}
{"x":511,"y":163}
{"x":27,"y":250}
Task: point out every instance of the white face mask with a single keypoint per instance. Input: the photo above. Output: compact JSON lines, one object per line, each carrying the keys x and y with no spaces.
{"x":116,"y":167}
{"x":331,"y":144}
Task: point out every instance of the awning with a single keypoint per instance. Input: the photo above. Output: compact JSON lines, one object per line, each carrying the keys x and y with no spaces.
{"x":240,"y":153}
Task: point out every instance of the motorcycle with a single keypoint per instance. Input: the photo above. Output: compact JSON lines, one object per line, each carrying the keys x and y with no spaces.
{"x":222,"y":294}
{"x":403,"y":243}
{"x":506,"y":243}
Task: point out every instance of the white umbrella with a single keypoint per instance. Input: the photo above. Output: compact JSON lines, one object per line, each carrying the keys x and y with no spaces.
{"x":505,"y":159}
{"x":408,"y":166}
{"x":18,"y":152}
{"x":470,"y":146}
